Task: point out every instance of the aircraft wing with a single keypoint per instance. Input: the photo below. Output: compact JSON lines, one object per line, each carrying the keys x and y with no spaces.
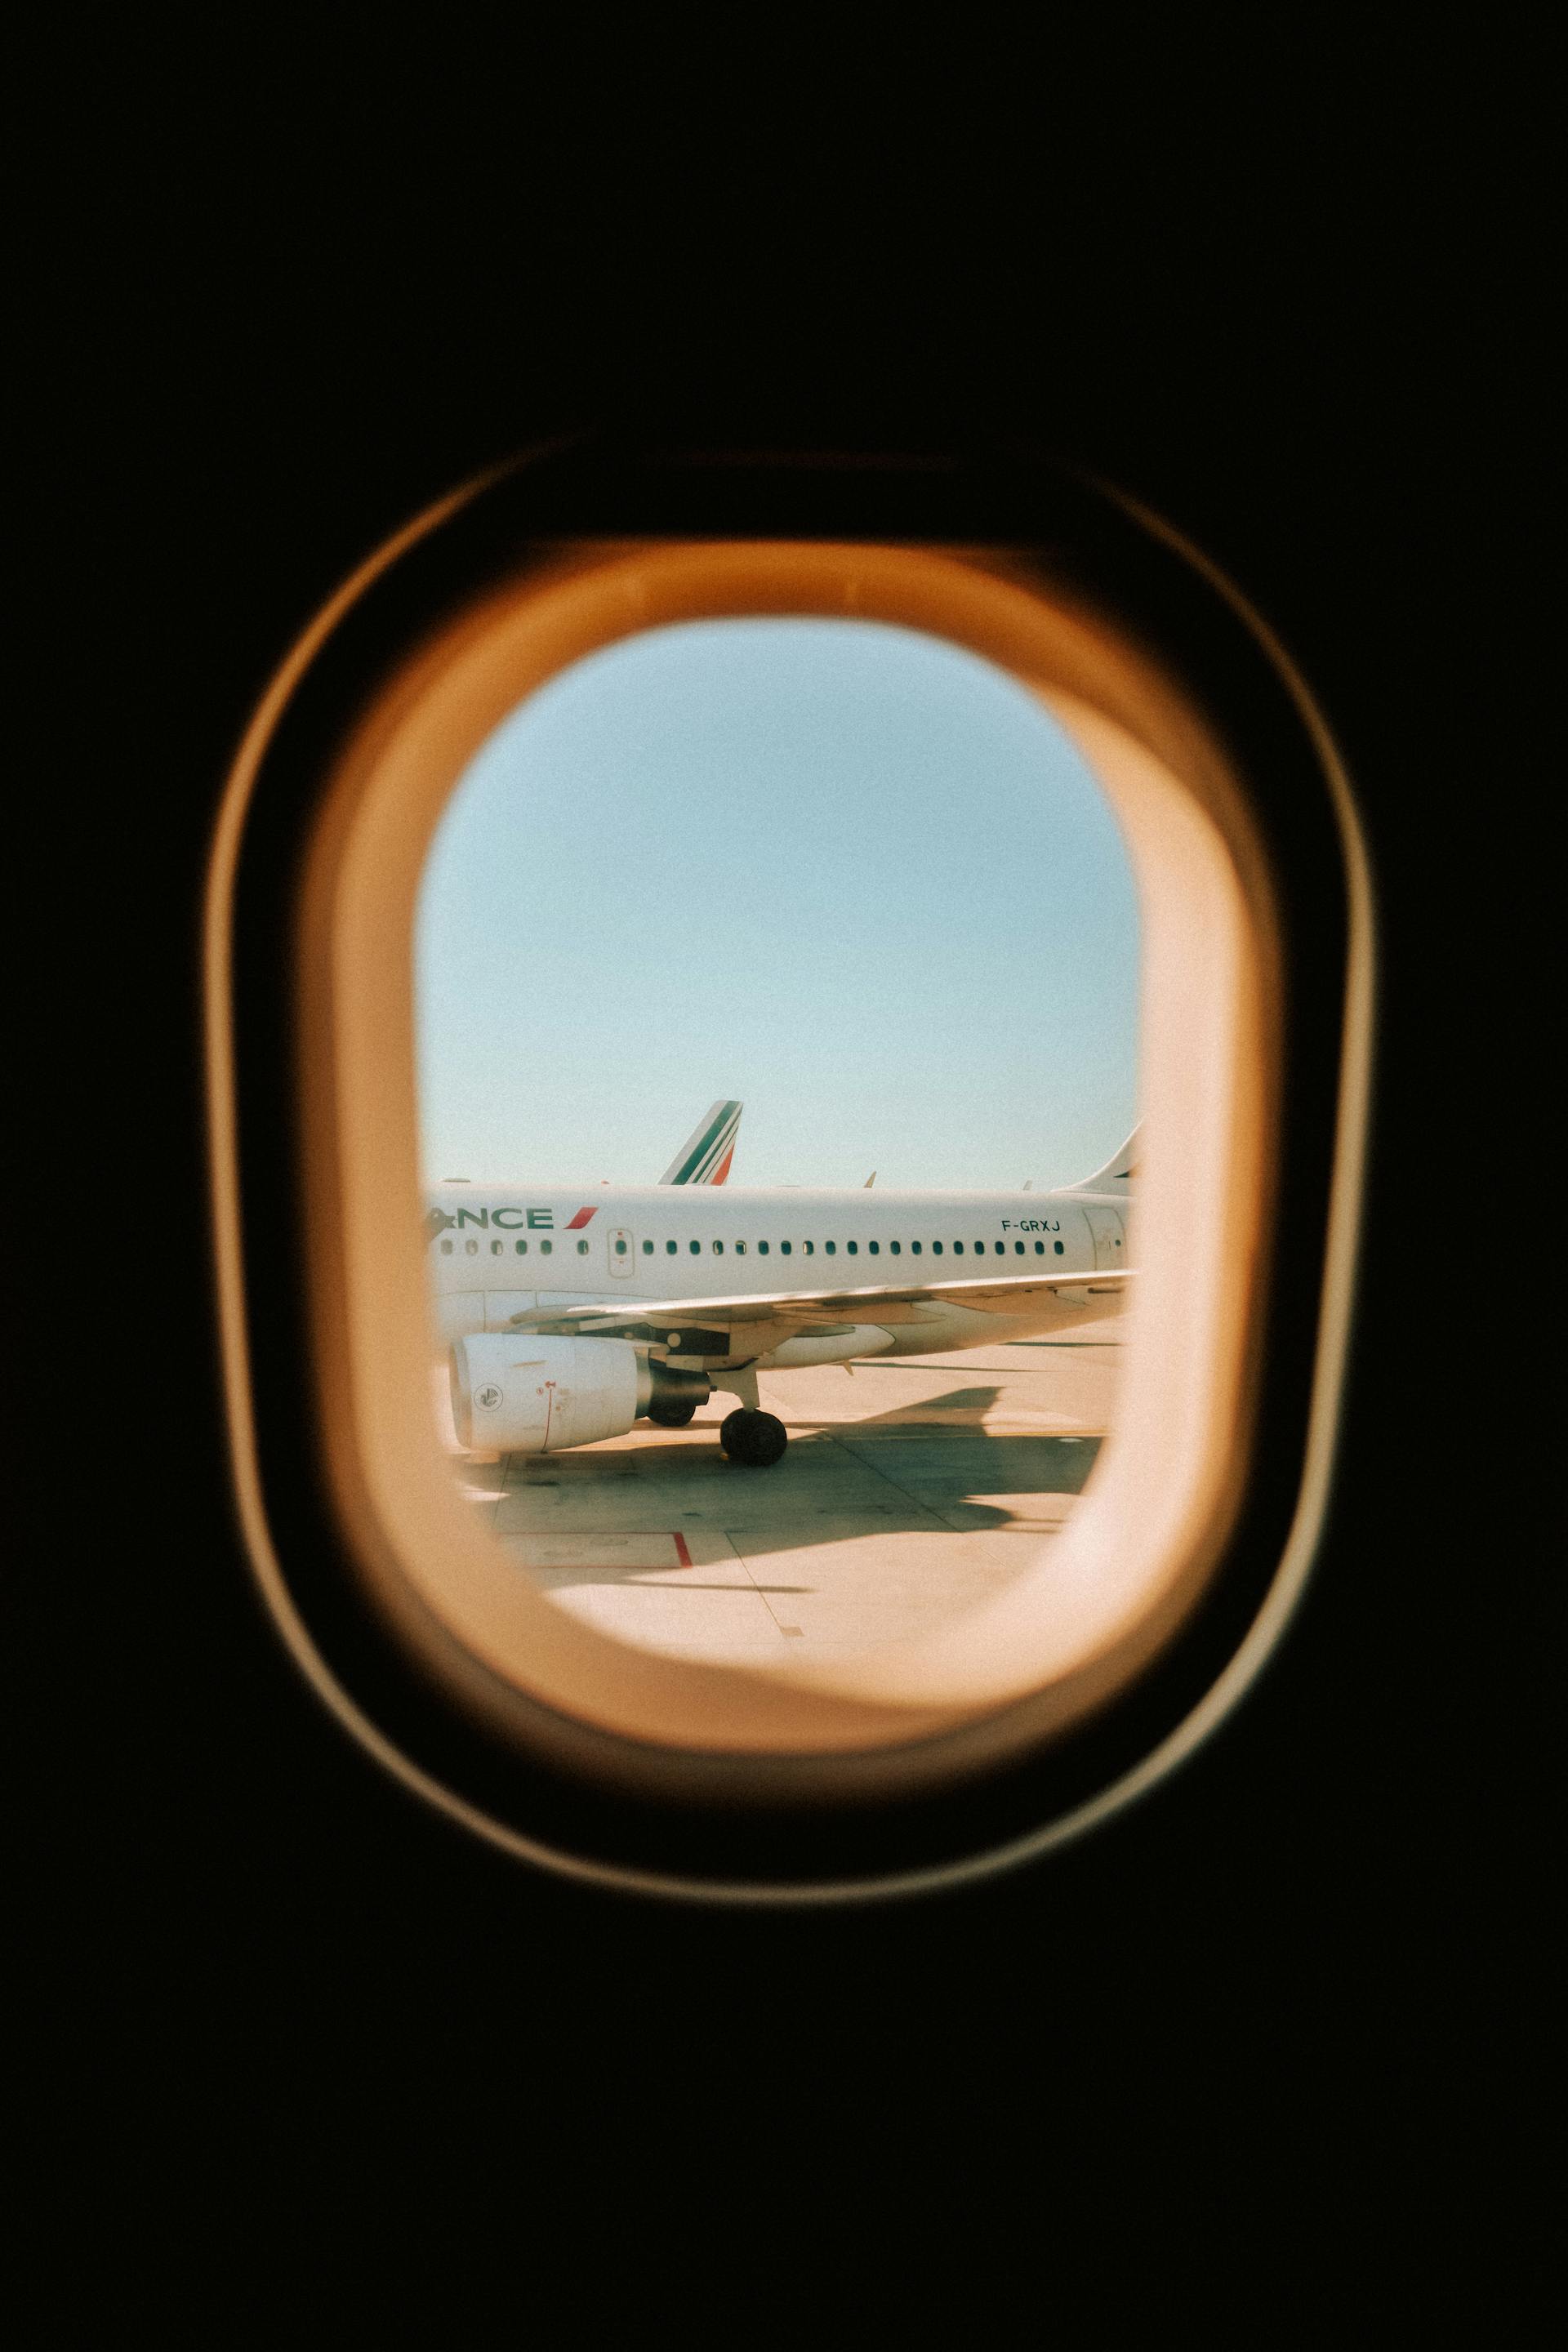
{"x":761,"y":1320}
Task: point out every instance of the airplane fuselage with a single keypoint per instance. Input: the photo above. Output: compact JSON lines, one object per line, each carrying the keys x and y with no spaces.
{"x":497,"y":1251}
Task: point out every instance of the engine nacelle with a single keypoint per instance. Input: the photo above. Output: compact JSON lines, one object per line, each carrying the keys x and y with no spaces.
{"x":514,"y":1393}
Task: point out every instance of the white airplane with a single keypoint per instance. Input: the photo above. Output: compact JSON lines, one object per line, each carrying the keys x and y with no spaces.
{"x":571,"y":1314}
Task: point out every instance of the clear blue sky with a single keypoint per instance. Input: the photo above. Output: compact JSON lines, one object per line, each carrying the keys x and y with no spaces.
{"x":849,"y":872}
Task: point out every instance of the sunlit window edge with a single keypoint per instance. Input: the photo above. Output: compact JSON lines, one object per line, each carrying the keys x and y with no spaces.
{"x":1063,"y":1637}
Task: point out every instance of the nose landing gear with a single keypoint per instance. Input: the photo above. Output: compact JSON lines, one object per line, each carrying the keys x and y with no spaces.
{"x":752,"y":1438}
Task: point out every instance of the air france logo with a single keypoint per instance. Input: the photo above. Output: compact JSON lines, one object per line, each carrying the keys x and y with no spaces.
{"x":505,"y":1221}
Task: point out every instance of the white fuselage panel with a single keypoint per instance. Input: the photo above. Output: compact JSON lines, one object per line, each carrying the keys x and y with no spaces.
{"x":497,"y":1251}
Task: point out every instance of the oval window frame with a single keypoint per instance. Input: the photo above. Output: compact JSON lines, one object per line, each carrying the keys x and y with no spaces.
{"x":375,"y":684}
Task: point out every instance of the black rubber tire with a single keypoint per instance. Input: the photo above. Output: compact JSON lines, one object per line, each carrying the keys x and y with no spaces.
{"x":671,"y":1417}
{"x":752,"y":1439}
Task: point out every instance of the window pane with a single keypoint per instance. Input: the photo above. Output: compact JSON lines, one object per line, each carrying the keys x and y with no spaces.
{"x":645,"y":778}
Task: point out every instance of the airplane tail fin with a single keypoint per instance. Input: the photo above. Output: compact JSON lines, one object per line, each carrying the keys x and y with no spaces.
{"x":1118,"y":1173}
{"x":704,"y":1157}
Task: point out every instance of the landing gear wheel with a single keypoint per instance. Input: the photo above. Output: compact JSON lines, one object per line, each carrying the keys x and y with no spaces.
{"x":671,"y":1417}
{"x":752,"y":1438}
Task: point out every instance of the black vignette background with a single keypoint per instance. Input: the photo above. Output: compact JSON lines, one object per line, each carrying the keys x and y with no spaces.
{"x":1283,"y":2022}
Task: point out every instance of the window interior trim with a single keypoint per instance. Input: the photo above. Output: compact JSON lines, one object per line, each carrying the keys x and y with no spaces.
{"x":388,"y":788}
{"x":1337,"y":1290}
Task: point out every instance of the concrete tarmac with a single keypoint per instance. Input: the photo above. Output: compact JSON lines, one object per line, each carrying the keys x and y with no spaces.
{"x":910,"y":1490}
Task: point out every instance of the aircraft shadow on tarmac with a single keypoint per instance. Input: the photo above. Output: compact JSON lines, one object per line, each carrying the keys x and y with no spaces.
{"x":928,"y":1468}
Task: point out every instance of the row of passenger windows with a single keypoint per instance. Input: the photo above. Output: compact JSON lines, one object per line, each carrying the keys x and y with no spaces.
{"x":852,"y":1249}
{"x":471,"y":1248}
{"x":808,"y":1249}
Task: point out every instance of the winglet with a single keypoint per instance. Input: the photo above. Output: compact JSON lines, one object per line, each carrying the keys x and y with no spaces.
{"x":869,"y":1181}
{"x":1118,"y":1173}
{"x":704,"y":1157}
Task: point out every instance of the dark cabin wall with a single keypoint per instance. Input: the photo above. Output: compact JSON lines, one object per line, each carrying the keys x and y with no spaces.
{"x":1295,"y":320}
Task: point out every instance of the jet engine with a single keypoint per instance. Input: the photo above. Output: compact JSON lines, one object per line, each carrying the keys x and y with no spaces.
{"x":514,"y":1393}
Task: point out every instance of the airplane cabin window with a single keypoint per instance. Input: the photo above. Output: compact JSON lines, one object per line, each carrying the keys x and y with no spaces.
{"x":841,"y":1539}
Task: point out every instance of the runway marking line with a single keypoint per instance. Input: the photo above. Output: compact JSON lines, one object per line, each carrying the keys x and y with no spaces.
{"x":616,"y":1551}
